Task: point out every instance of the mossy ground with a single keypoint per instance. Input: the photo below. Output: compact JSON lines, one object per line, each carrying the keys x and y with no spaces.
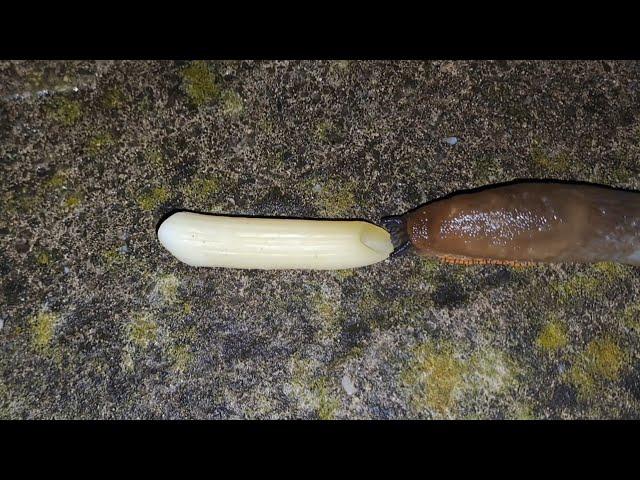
{"x":42,"y":328}
{"x":143,"y":330}
{"x":153,"y":198}
{"x":65,"y":111}
{"x":600,"y":362}
{"x":99,"y":143}
{"x":92,"y":305}
{"x":552,"y":337}
{"x":334,"y":199}
{"x":313,"y":391}
{"x":200,"y":83}
{"x":232,"y":104}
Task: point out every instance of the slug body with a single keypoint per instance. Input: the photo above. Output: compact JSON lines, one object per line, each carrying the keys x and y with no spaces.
{"x":525,"y":223}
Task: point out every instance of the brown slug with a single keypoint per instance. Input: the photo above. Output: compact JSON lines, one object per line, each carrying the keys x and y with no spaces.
{"x":524,"y":223}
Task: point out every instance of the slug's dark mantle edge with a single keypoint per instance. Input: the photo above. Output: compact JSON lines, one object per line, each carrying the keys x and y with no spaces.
{"x":396,"y":225}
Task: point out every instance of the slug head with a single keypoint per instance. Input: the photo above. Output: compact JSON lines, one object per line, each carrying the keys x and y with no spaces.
{"x":396,"y":225}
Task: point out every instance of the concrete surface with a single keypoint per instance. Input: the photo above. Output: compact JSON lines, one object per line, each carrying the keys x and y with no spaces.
{"x":97,"y":320}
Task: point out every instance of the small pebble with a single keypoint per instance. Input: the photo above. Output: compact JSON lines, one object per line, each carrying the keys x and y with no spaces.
{"x":451,"y":140}
{"x":347,"y":384}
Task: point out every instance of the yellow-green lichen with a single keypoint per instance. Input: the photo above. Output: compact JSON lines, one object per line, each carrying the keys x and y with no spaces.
{"x":491,"y":373}
{"x":550,"y":165}
{"x":611,"y":270}
{"x":181,"y":357}
{"x":434,"y":377}
{"x":203,"y":189}
{"x":353,"y":353}
{"x":57,"y":180}
{"x":116,"y":258}
{"x":153,"y":198}
{"x":602,"y":360}
{"x":327,"y":313}
{"x":145,"y":104}
{"x":126,"y":361}
{"x":21,"y":200}
{"x":578,"y":285}
{"x":594,"y":282}
{"x":142,"y":330}
{"x":154,"y":158}
{"x":522,"y":411}
{"x":276,"y":162}
{"x":438,"y":377}
{"x":327,"y":404}
{"x":322,"y":129}
{"x":487,"y":169}
{"x":344,"y":273}
{"x":368,"y":301}
{"x":43,"y":258}
{"x":35,"y":79}
{"x":42,"y":329}
{"x":165,"y":290}
{"x":552,"y":337}
{"x":65,"y":111}
{"x":232,"y":104}
{"x":620,"y":170}
{"x":6,"y":408}
{"x":200,"y":83}
{"x":112,"y":256}
{"x":99,"y":143}
{"x":312,"y":391}
{"x":631,"y":317}
{"x":335,"y":199}
{"x":266,"y":126}
{"x":72,"y":201}
{"x":4,"y":392}
{"x":427,"y":268}
{"x":113,"y":98}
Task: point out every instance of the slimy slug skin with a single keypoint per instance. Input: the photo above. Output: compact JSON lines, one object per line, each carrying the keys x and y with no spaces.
{"x":525,"y":223}
{"x":273,"y":243}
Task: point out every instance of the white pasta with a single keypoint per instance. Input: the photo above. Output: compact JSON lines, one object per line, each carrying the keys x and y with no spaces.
{"x":273,"y":243}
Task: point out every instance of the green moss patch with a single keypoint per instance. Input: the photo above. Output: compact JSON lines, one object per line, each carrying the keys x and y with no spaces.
{"x":142,"y":330}
{"x":200,"y":83}
{"x":548,"y":165}
{"x":42,"y":329}
{"x":231,"y":102}
{"x":153,"y":198}
{"x":313,"y":391}
{"x":113,"y":98}
{"x":602,"y":360}
{"x":552,"y":337}
{"x":439,"y":376}
{"x":65,"y":111}
{"x":99,"y":143}
{"x":434,"y":378}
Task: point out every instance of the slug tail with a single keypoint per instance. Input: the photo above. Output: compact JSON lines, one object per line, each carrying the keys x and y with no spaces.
{"x":396,"y":225}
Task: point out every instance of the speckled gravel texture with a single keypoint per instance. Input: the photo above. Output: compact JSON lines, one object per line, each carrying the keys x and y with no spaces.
{"x":97,"y":320}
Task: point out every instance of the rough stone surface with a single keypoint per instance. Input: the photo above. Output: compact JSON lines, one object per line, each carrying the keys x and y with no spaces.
{"x":97,"y":320}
